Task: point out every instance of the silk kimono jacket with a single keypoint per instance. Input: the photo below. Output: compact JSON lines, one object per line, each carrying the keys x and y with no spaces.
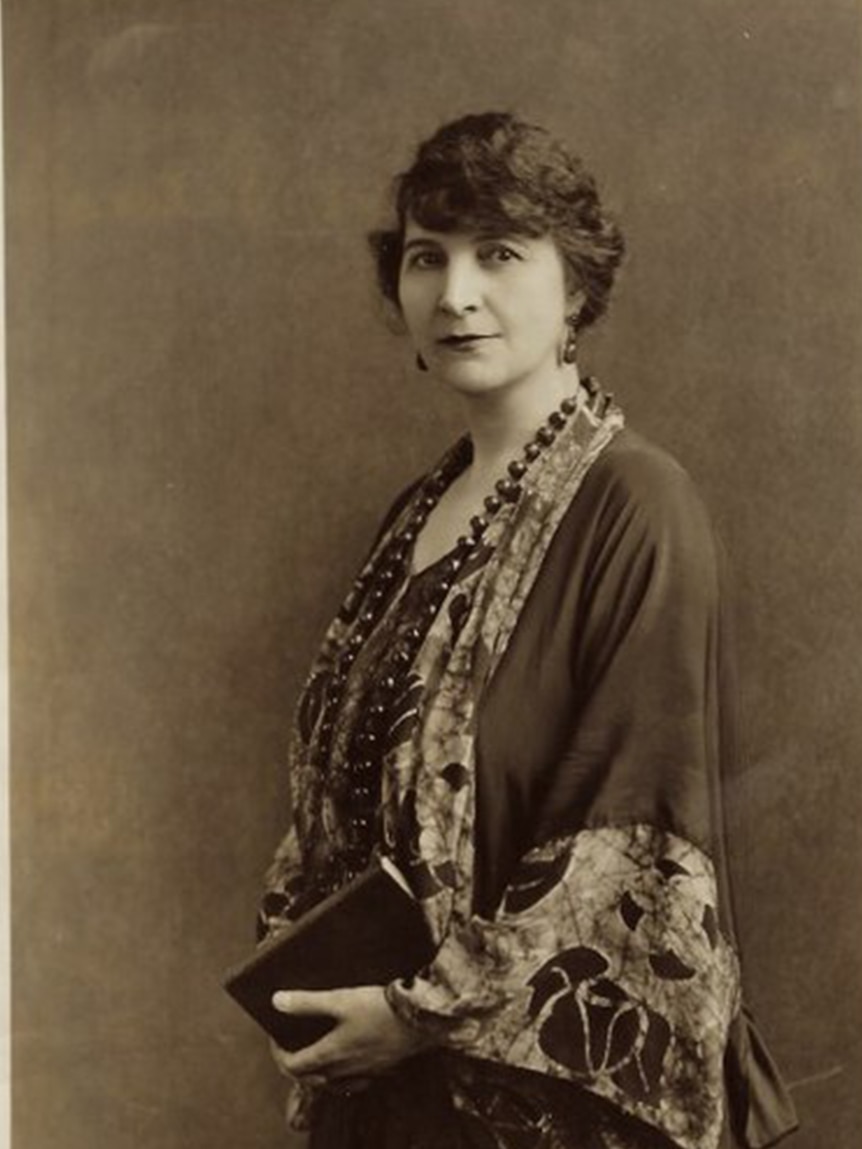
{"x":553,"y":791}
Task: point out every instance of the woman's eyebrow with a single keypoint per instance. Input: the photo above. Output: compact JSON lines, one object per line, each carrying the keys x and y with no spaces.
{"x":420,"y":241}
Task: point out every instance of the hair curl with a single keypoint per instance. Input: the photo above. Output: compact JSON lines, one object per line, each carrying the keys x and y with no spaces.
{"x":494,"y":172}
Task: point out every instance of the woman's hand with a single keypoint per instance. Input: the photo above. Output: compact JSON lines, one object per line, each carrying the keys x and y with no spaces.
{"x":368,"y":1037}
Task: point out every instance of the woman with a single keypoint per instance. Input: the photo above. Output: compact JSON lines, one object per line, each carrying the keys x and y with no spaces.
{"x":524,"y":702}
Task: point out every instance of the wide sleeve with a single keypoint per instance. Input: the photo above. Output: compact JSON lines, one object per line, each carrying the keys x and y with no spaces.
{"x":605,"y":961}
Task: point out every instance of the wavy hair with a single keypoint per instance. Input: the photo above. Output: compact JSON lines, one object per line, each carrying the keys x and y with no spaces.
{"x":494,"y":172}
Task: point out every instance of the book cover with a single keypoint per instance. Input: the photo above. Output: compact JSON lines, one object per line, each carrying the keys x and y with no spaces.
{"x":367,"y":933}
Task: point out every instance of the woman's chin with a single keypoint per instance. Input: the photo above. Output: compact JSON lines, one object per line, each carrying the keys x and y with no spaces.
{"x":469,"y":378}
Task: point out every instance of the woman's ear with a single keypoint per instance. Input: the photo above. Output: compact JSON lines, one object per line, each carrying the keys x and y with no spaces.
{"x":575,"y":301}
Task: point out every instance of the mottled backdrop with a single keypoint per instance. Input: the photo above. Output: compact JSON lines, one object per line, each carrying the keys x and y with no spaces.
{"x":207,"y":415}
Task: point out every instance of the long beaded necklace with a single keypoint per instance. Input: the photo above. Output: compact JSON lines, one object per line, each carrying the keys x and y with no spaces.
{"x":364,"y":607}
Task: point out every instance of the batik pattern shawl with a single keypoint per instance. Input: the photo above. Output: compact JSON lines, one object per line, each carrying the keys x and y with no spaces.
{"x":605,"y":963}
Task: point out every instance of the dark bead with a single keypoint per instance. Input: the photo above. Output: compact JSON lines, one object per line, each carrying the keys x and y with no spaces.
{"x":403,"y":657}
{"x":557,"y":420}
{"x":376,"y":711}
{"x":591,"y":385}
{"x":355,"y":641}
{"x":408,"y":535}
{"x":504,"y":488}
{"x":388,"y":683}
{"x":513,"y":493}
{"x":478,"y":526}
{"x":569,"y":405}
{"x":428,"y":502}
{"x":465,"y":544}
{"x":545,"y":436}
{"x":493,"y":504}
{"x":413,"y":633}
{"x":367,"y":617}
{"x":532,"y":451}
{"x":517,"y":469}
{"x":387,"y":574}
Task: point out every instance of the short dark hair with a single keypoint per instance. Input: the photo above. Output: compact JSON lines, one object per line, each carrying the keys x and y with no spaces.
{"x":495,"y":172}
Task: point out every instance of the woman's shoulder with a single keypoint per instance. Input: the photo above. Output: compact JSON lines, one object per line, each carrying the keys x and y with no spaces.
{"x":637,"y":478}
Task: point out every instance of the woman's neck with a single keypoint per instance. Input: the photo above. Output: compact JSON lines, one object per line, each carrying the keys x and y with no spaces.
{"x":501,"y":423}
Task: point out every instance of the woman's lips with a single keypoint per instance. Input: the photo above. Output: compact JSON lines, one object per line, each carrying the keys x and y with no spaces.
{"x":455,"y":342}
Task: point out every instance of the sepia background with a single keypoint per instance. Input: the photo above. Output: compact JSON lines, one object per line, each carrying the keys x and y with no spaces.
{"x":208,"y":415}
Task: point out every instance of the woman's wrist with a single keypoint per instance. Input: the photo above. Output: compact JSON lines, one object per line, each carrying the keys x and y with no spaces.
{"x":435,"y":1029}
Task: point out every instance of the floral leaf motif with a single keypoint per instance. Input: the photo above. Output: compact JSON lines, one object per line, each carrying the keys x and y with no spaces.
{"x":563,"y":1038}
{"x":640,"y":1075}
{"x":630,"y":911}
{"x":608,"y":990}
{"x":422,"y":881}
{"x":459,"y":608}
{"x":405,"y":712}
{"x":593,"y":1027}
{"x":446,"y":873}
{"x":654,"y":1048}
{"x":407,"y":830}
{"x":532,"y":880}
{"x":709,"y":922}
{"x":580,"y":963}
{"x":668,"y":868}
{"x":456,"y":775}
{"x":668,"y":965}
{"x":477,"y":560}
{"x":623,"y":1030}
{"x":546,"y":983}
{"x":571,"y":966}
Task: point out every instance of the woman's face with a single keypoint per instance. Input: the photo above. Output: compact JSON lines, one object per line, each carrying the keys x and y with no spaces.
{"x":485,"y":311}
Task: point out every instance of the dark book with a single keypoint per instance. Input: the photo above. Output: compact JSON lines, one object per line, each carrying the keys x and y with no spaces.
{"x":368,"y":933}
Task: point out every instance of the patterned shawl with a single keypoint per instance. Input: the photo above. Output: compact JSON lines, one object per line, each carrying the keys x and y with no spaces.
{"x":606,"y":963}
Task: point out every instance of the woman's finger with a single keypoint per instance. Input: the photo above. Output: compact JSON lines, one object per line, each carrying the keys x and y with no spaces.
{"x":280,"y":1055}
{"x":307,"y":1001}
{"x":312,"y":1060}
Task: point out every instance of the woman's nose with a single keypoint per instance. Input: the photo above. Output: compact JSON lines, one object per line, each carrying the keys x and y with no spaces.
{"x":460,"y":290}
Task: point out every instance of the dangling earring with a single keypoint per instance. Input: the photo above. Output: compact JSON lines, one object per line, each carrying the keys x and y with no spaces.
{"x":420,"y":362}
{"x":570,"y":347}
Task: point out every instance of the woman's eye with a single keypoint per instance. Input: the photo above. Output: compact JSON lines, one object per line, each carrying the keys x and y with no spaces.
{"x":424,"y":259}
{"x":499,"y":253}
